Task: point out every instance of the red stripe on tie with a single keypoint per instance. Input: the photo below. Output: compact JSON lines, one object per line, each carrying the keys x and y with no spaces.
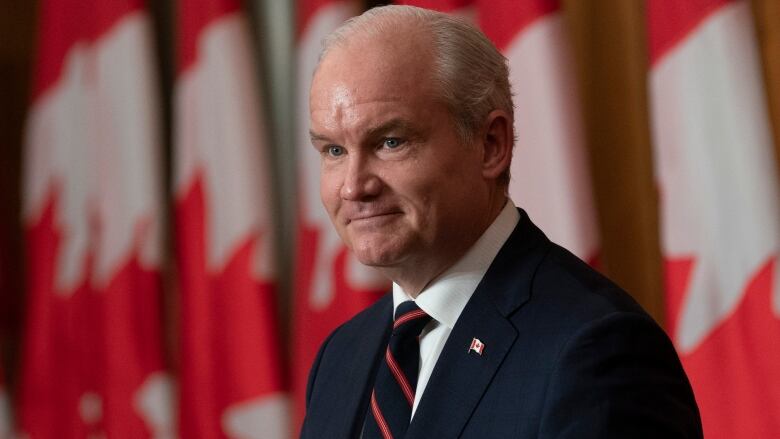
{"x":411,"y":315}
{"x":380,"y":420}
{"x":406,"y":388}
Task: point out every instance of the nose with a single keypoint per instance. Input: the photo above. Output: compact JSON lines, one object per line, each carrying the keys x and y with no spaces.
{"x":360,"y":182}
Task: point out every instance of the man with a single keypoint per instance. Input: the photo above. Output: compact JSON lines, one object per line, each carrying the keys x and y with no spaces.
{"x":511,"y":335}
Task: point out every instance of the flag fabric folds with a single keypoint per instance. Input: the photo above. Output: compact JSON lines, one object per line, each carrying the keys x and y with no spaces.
{"x":550,"y":171}
{"x":5,"y":404}
{"x":5,"y":410}
{"x":449,"y":6}
{"x":231,"y":376}
{"x":92,"y":360}
{"x":330,"y":284}
{"x":720,"y":210}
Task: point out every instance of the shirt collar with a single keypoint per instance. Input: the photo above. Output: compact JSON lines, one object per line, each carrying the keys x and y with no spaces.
{"x":445,"y":298}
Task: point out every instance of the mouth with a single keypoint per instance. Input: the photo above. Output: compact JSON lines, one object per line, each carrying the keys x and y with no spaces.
{"x":371,"y":217}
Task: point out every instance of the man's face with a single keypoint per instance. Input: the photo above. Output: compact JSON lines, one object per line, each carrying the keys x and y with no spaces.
{"x":401,"y":188}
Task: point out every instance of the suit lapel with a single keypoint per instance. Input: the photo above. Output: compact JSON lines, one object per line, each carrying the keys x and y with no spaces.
{"x":461,"y":377}
{"x":348,"y":397}
{"x":344,"y":380}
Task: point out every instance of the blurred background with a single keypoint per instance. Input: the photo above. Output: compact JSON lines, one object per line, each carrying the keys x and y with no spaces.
{"x":166,"y":269}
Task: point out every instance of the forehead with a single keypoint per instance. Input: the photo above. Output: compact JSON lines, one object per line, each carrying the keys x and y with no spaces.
{"x":373,"y":70}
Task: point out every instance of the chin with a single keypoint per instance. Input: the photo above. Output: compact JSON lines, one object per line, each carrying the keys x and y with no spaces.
{"x":376,"y":254}
{"x":372,"y":260}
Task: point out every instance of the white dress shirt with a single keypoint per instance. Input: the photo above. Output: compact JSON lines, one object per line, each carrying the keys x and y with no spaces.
{"x":445,"y":298}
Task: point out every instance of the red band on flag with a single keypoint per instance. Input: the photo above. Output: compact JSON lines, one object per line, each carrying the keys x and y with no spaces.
{"x":63,"y":23}
{"x":307,"y":9}
{"x":670,"y":21}
{"x":439,"y":5}
{"x":504,"y":20}
{"x":193,"y":19}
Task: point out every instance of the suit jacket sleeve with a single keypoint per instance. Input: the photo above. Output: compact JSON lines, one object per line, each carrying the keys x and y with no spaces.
{"x":619,"y":376}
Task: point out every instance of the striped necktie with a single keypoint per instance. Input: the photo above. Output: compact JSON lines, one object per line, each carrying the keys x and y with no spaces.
{"x":393,"y":396}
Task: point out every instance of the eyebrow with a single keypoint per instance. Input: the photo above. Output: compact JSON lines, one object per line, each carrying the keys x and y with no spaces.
{"x":318,"y":137}
{"x":390,"y":125}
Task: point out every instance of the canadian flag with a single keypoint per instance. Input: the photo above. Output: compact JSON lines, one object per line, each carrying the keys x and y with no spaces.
{"x":720,"y":210}
{"x":450,"y":6}
{"x":5,"y":406}
{"x":550,"y":171}
{"x":476,"y":346}
{"x":231,"y":362}
{"x":330,"y":284}
{"x":5,"y":411}
{"x":92,"y":361}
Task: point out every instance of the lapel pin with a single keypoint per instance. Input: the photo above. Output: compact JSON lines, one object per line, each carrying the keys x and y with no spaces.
{"x":476,"y":346}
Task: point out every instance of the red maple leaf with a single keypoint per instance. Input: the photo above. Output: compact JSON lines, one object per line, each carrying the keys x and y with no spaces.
{"x":733,"y":371}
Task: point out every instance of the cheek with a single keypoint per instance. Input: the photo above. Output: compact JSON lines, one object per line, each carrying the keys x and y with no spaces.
{"x":329,"y":191}
{"x":443,"y":193}
{"x":421,"y":192}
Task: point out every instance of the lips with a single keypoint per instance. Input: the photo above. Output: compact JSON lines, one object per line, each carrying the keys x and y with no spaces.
{"x":370,"y":215}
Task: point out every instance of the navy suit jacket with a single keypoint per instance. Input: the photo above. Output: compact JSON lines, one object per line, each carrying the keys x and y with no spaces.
{"x":567,"y":354}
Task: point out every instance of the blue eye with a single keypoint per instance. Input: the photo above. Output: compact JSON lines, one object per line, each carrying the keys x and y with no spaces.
{"x":392,"y":142}
{"x":335,"y":151}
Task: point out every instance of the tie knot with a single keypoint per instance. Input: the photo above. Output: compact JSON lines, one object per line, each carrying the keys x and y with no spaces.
{"x":409,"y":319}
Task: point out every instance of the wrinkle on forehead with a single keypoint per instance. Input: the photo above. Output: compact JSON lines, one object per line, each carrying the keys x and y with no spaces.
{"x":342,"y":97}
{"x":360,"y":82}
{"x":371,"y":61}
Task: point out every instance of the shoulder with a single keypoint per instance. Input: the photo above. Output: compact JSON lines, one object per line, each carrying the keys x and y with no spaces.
{"x":375,"y":316}
{"x":530,"y":271}
{"x":567,"y":301}
{"x":368,"y":324}
{"x":610,"y":361}
{"x":340,"y":373}
{"x":581,"y":303}
{"x":577,"y":290}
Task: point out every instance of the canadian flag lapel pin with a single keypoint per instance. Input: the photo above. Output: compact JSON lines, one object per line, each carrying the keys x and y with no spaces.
{"x":476,"y":346}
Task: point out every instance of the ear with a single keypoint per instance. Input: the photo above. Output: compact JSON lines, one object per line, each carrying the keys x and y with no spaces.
{"x":497,"y":142}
